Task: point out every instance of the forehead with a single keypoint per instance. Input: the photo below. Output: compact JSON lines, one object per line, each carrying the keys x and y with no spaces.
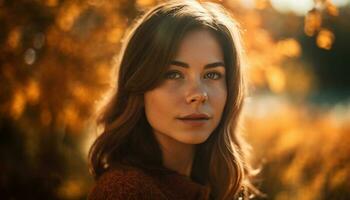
{"x":199,"y":45}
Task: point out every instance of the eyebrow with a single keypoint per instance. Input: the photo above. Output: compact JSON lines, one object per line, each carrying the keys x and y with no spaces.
{"x":207,"y":66}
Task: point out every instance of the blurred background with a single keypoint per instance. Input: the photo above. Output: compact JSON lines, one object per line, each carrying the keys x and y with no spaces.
{"x":56,"y":58}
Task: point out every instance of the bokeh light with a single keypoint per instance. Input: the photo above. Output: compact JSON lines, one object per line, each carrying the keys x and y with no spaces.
{"x":57,"y":59}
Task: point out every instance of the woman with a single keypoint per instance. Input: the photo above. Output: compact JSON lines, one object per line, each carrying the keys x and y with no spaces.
{"x":170,"y":127}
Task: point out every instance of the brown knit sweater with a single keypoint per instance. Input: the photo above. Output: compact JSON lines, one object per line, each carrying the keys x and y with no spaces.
{"x":133,"y":183}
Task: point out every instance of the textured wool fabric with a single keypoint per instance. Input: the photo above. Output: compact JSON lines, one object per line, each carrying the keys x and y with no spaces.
{"x":133,"y":183}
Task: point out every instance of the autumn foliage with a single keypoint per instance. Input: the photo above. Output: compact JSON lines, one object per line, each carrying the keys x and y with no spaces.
{"x":56,"y":60}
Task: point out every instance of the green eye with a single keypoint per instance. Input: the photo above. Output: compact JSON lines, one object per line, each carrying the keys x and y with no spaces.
{"x":172,"y":75}
{"x":213,"y":75}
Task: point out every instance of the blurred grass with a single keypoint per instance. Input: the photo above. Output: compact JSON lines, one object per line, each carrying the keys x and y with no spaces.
{"x":304,"y":148}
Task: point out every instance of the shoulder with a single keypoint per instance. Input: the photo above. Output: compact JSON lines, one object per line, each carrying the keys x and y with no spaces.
{"x":128,"y":183}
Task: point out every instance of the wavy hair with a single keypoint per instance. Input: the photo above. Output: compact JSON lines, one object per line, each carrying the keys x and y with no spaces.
{"x":221,"y":161}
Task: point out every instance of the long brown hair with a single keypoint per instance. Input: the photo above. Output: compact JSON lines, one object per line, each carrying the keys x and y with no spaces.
{"x":219,"y":162}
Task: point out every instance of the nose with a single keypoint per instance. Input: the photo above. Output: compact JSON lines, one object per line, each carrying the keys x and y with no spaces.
{"x":200,"y":98}
{"x":197,"y":95}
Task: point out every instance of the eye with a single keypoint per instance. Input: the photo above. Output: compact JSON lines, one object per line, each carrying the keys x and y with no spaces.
{"x":213,"y":75}
{"x":173,"y":75}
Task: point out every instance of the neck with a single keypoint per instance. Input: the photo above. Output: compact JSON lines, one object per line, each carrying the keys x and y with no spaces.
{"x":177,"y":156}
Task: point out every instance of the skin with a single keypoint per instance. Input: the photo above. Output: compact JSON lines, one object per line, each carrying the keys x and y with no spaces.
{"x":194,"y":83}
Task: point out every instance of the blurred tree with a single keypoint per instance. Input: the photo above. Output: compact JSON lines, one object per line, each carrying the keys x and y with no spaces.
{"x":56,"y":58}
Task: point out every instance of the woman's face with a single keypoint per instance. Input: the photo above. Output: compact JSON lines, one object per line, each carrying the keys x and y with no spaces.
{"x":187,"y":106}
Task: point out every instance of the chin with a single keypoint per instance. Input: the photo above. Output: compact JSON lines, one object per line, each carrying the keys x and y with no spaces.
{"x":194,"y":139}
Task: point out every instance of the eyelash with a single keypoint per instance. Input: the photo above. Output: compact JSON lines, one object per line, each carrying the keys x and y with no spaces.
{"x":170,"y":75}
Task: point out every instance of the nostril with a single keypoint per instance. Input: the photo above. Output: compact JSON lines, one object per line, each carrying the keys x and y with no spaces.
{"x":199,"y":97}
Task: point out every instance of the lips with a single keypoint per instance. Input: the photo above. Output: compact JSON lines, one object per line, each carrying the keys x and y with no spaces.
{"x":195,"y":116}
{"x":195,"y":120}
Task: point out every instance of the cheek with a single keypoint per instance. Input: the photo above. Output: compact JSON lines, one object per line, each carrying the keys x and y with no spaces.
{"x":219,"y":96}
{"x":158,"y":104}
{"x":152,"y":107}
